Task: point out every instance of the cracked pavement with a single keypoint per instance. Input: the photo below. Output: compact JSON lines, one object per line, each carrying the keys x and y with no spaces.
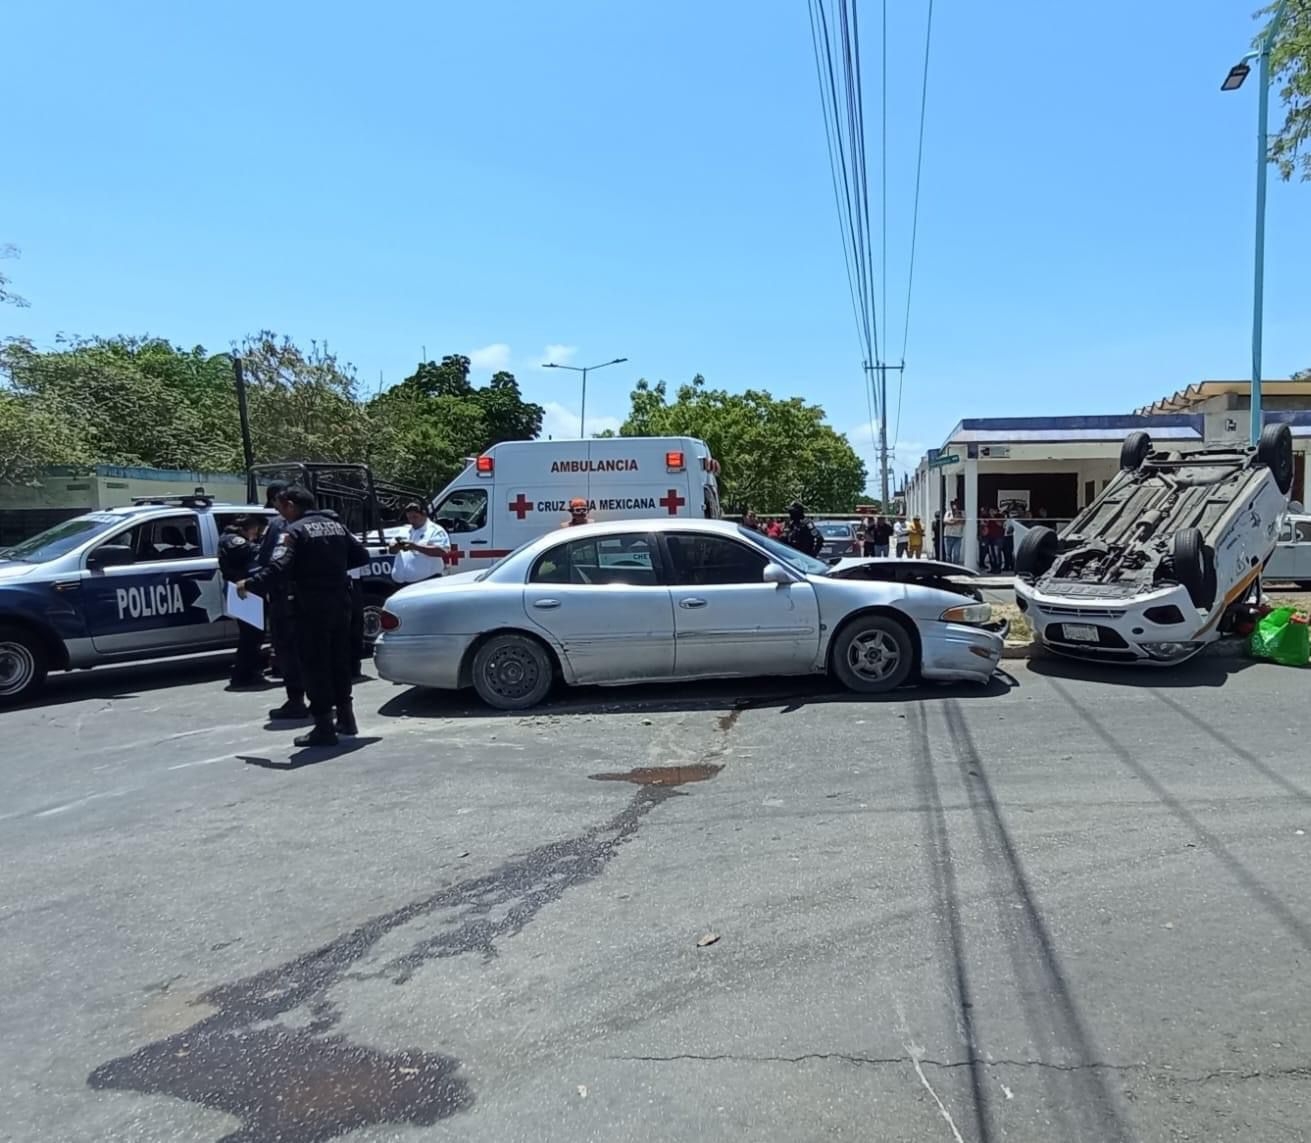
{"x":1070,"y":907}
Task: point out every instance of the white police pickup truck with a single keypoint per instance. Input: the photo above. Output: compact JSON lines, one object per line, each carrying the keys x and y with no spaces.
{"x":124,"y":584}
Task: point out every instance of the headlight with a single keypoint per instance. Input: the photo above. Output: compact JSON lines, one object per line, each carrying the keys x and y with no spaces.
{"x":968,"y":613}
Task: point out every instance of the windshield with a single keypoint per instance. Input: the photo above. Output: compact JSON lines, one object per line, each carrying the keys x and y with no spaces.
{"x":60,"y":540}
{"x":835,"y":531}
{"x":797,"y":561}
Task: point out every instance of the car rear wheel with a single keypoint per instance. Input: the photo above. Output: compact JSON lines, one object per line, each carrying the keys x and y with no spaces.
{"x":23,"y":664}
{"x":512,"y":672}
{"x":1134,"y":450}
{"x":1194,"y":567}
{"x":1275,"y":451}
{"x":873,"y":654}
{"x":1037,"y":552}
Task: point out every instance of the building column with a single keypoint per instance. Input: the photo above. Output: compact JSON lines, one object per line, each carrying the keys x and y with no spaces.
{"x":970,"y":546}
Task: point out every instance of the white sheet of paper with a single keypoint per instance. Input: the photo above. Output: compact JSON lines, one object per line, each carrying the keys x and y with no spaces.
{"x":249,"y":610}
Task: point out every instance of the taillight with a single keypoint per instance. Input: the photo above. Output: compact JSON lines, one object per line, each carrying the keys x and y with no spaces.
{"x":388,"y":622}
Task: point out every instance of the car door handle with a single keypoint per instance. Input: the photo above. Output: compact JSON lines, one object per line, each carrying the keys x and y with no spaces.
{"x":546,"y":604}
{"x":475,"y":543}
{"x":691,"y":603}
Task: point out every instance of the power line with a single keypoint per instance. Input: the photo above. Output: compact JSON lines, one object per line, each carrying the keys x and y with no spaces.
{"x":919,"y":166}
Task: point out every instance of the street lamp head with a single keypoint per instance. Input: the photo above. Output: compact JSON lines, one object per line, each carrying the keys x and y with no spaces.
{"x":1237,"y":73}
{"x":550,"y":365}
{"x":617,"y":361}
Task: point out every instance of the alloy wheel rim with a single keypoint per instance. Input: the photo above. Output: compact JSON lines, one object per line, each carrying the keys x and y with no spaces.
{"x":874,"y":655}
{"x":17,"y":666}
{"x":372,"y":622}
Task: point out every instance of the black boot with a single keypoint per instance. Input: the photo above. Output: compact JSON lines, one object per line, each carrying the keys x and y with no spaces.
{"x":321,"y":735}
{"x":346,"y":725}
{"x":293,"y":710}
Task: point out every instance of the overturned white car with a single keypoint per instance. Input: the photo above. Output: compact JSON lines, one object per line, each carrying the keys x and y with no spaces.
{"x":1166,"y":559}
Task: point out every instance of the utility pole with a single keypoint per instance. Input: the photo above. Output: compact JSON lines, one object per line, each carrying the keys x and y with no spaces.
{"x":881,"y":369}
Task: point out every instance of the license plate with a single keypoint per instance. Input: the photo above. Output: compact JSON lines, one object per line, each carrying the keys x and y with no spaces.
{"x":1080,"y":632}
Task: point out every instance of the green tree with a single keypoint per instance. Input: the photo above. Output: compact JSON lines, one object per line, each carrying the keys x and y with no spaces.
{"x":770,"y":451}
{"x":6,"y":294}
{"x":126,"y":400}
{"x":304,"y":404}
{"x":430,"y":422}
{"x":1290,"y":65}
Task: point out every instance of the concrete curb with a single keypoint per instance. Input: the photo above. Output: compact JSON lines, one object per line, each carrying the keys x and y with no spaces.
{"x":1223,"y":649}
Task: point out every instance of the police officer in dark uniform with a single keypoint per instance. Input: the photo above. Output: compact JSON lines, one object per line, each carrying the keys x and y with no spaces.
{"x":278,"y":608}
{"x":238,"y":558}
{"x":314,"y":556}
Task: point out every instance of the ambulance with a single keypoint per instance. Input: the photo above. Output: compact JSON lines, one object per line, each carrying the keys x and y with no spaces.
{"x":517,"y":490}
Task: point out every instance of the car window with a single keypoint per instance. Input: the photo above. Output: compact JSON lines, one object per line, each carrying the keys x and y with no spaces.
{"x":624,"y":559}
{"x":464,"y":510}
{"x":710,"y":560}
{"x":789,"y":557}
{"x":1303,"y":528}
{"x":161,"y":538}
{"x":835,"y":531}
{"x":61,"y":539}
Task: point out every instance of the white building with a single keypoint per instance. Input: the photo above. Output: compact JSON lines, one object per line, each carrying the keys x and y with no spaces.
{"x":1051,"y":467}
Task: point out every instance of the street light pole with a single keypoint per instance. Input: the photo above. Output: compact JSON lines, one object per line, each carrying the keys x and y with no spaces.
{"x":584,"y":370}
{"x":1233,"y":81}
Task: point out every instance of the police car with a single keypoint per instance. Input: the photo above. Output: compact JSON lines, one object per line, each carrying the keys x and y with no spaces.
{"x":113,"y":586}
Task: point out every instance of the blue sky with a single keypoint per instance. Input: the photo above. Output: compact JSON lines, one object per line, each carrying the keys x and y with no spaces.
{"x":650,"y":181}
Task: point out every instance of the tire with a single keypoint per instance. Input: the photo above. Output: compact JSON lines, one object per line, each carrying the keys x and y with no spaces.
{"x":1194,"y":567}
{"x":512,"y":672}
{"x":1275,"y":451}
{"x":373,"y":605}
{"x":873,"y":654}
{"x":1037,"y":552}
{"x":1137,"y":445}
{"x":24,"y":664}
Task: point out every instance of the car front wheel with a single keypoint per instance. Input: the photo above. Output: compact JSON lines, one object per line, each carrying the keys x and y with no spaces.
{"x":22,"y":664}
{"x":873,"y":654}
{"x":512,"y":672}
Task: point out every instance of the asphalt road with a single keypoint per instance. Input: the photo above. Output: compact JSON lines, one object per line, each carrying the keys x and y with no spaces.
{"x":1069,"y":907}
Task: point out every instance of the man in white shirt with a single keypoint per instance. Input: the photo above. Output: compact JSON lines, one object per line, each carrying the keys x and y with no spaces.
{"x":900,"y":536}
{"x":423,"y":555}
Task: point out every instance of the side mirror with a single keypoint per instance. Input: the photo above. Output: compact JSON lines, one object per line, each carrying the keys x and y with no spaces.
{"x":776,"y":574}
{"x":110,"y":556}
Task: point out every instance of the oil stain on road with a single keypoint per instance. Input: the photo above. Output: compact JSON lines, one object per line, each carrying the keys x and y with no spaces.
{"x":268,"y":1051}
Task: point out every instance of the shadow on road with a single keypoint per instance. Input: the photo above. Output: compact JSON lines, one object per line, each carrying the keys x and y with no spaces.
{"x":129,"y":680}
{"x":1204,"y":671}
{"x":787,"y":695}
{"x":309,"y":755}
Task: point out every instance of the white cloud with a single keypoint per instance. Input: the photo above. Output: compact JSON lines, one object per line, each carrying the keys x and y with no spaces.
{"x":491,"y":357}
{"x":560,"y":354}
{"x":561,"y":422}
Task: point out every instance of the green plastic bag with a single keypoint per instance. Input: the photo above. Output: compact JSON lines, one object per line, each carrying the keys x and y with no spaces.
{"x":1281,"y":639}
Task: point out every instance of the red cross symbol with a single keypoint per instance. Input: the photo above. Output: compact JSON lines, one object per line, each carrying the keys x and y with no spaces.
{"x":672,"y":501}
{"x":521,"y":506}
{"x":453,"y":555}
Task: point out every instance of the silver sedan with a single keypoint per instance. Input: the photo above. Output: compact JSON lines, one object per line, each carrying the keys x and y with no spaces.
{"x":661,"y":600}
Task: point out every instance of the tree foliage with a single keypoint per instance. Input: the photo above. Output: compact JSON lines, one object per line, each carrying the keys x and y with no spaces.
{"x":770,"y":451}
{"x":1290,"y":65}
{"x":437,"y":417}
{"x":7,"y":296}
{"x":143,"y":401}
